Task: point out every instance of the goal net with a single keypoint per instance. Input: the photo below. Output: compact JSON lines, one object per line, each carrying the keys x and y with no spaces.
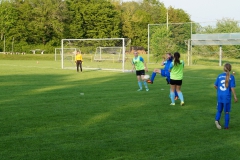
{"x":70,"y":52}
{"x":98,"y":54}
{"x":108,"y":53}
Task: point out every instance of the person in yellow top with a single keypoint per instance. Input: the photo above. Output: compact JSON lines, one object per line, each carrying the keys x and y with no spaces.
{"x":78,"y":60}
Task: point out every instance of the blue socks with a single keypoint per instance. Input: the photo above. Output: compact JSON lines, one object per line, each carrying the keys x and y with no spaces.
{"x":180,"y":95}
{"x":153,"y":76}
{"x":227,"y":117}
{"x":218,"y":116}
{"x":172,"y":96}
{"x":175,"y":93}
{"x":140,"y":84}
{"x":145,"y":84}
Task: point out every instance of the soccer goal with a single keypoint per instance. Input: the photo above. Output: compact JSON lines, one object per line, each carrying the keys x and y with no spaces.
{"x":70,"y":52}
{"x":98,"y":54}
{"x":108,"y":54}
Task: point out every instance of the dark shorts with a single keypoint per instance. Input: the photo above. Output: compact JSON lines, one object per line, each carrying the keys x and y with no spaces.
{"x":176,"y":82}
{"x":140,"y":72}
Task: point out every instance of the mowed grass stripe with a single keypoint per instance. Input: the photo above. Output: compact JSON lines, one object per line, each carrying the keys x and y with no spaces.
{"x":43,"y":116}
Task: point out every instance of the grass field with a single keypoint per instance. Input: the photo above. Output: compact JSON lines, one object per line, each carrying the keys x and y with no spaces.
{"x":44,"y":115}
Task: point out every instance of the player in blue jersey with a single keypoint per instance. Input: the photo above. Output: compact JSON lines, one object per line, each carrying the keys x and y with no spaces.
{"x":225,"y":84}
{"x":165,"y":71}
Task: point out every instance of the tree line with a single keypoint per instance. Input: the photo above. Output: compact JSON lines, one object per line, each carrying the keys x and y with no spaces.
{"x":43,"y":23}
{"x":31,"y":24}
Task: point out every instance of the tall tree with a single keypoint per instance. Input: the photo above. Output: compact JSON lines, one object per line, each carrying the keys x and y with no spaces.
{"x":8,"y":19}
{"x":93,"y":19}
{"x":162,"y":42}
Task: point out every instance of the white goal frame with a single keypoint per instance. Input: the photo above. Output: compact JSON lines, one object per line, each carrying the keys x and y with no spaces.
{"x":99,"y":39}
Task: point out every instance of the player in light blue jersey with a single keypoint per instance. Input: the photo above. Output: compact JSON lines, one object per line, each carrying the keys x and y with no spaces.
{"x":225,"y":84}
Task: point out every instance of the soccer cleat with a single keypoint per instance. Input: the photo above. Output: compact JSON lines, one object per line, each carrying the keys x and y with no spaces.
{"x":176,"y":98}
{"x":182,"y":103}
{"x":172,"y":104}
{"x":139,"y":89}
{"x":147,"y":89}
{"x":218,"y":125}
{"x":226,"y":128}
{"x":149,"y":81}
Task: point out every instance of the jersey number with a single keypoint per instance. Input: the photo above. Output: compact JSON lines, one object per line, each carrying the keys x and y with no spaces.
{"x":222,"y":87}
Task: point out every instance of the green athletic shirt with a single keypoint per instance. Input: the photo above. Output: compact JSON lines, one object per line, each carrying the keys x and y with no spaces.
{"x":177,"y":71}
{"x":138,"y":63}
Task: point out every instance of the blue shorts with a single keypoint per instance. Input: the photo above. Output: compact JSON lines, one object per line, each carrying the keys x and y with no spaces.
{"x":165,"y":73}
{"x":223,"y":106}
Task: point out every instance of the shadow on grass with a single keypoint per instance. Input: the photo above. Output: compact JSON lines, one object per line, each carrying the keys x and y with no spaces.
{"x":100,"y":115}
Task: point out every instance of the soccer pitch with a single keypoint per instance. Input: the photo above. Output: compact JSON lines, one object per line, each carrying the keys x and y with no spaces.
{"x":45,"y":115}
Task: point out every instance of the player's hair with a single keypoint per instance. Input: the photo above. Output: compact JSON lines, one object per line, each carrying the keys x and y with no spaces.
{"x":227,"y":68}
{"x":176,"y":58}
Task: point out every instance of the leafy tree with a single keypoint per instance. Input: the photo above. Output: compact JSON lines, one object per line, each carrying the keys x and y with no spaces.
{"x":8,"y":19}
{"x":181,"y":31}
{"x":93,"y":19}
{"x":162,"y":42}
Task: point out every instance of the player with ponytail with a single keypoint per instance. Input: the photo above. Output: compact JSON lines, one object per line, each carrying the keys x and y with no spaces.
{"x":176,"y":76}
{"x":225,"y":84}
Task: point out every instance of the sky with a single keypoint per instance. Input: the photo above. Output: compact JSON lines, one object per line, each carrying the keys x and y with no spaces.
{"x":206,"y":10}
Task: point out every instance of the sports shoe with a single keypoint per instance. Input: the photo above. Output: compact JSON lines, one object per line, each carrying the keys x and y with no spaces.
{"x":176,"y":98}
{"x":226,"y":128}
{"x":139,"y":89}
{"x":149,"y":81}
{"x":218,"y":125}
{"x":172,"y":104}
{"x":182,"y":103}
{"x":147,"y":89}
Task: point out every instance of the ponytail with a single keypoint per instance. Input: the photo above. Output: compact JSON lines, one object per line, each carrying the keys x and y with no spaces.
{"x":227,"y":69}
{"x":176,"y":58}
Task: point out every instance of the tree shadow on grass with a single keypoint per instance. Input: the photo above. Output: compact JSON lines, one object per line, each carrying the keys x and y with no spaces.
{"x":45,"y":115}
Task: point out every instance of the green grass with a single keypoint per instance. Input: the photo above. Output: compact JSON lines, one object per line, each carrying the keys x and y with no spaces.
{"x":44,"y":116}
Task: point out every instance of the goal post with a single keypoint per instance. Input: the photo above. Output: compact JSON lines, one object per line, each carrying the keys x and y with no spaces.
{"x":98,"y":54}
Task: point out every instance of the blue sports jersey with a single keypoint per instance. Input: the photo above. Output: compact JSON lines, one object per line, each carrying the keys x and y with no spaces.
{"x":223,"y":93}
{"x":167,"y":64}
